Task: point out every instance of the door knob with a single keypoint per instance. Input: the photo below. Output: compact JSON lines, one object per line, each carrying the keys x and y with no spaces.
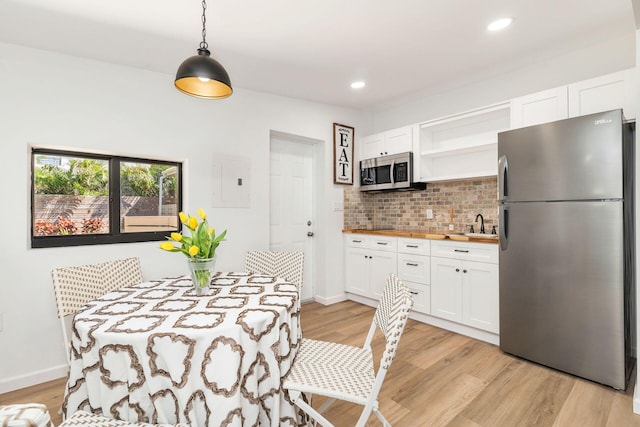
{"x":310,"y":233}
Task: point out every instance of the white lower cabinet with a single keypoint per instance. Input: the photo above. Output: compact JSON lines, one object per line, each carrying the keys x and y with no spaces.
{"x":367,"y":269}
{"x":451,"y":280}
{"x":465,"y":291}
{"x":414,"y":269}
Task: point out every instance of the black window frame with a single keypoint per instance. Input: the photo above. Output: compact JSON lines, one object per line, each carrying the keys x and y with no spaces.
{"x":114,"y":235}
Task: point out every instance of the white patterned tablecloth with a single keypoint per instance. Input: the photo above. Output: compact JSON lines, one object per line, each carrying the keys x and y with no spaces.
{"x":157,"y":353}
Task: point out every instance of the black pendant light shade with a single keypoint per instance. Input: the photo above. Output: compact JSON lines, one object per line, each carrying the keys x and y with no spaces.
{"x":201,"y":75}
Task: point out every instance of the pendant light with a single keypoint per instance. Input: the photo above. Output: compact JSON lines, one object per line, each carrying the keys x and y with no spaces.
{"x":202,"y":76}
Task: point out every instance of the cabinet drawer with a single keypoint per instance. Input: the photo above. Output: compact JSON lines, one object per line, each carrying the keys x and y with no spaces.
{"x":414,"y":246}
{"x":421,"y":295}
{"x":384,"y":243}
{"x":414,"y":268}
{"x":357,"y":241}
{"x":466,"y":251}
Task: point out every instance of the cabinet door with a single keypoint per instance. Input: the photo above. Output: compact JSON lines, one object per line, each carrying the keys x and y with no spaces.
{"x":357,"y":271}
{"x":541,"y":107}
{"x":372,"y":146}
{"x":446,"y":288}
{"x":604,"y":93}
{"x":480,"y":296}
{"x":381,"y":264}
{"x":398,"y":141}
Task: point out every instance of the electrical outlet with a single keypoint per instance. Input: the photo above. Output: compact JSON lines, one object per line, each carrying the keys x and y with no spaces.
{"x":450,"y":227}
{"x":429,"y":213}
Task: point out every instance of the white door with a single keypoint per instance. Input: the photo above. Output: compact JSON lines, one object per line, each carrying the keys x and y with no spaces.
{"x":446,"y":288}
{"x":480,"y":305}
{"x":381,"y":264}
{"x":291,"y":204}
{"x":357,"y":271}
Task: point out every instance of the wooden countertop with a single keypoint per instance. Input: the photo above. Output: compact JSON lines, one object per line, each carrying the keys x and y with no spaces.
{"x":421,"y":234}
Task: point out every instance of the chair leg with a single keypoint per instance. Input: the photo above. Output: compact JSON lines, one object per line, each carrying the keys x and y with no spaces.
{"x":325,"y":405}
{"x":381,"y":417}
{"x":315,"y":415}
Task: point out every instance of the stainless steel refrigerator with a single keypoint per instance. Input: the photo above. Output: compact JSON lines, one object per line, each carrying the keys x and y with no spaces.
{"x":565,"y":195}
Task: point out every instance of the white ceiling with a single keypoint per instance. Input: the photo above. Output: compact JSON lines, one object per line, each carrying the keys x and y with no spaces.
{"x":314,"y":49}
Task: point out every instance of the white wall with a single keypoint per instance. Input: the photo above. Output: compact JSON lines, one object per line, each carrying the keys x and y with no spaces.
{"x":56,"y":100}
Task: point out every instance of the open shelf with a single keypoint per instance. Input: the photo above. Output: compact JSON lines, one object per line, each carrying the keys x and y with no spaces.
{"x":462,"y":146}
{"x":460,"y":150}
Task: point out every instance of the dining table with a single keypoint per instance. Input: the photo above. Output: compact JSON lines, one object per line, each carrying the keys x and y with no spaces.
{"x":156,"y":352}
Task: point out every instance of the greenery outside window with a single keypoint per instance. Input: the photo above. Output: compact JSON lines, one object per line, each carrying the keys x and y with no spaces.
{"x":86,"y":199}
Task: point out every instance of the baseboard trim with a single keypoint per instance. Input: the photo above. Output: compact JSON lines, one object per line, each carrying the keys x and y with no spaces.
{"x":33,"y":378}
{"x":331,"y":300}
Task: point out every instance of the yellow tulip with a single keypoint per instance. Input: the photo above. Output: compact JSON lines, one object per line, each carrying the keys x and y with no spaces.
{"x":167,"y":246}
{"x":193,"y":250}
{"x":193,"y":222}
{"x":176,"y":236}
{"x":183,"y":217}
{"x":211,"y":231}
{"x":202,"y":214}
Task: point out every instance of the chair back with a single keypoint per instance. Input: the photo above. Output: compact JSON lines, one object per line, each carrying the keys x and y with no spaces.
{"x":288,"y":265}
{"x":391,"y":316}
{"x":75,"y":286}
{"x":121,"y":273}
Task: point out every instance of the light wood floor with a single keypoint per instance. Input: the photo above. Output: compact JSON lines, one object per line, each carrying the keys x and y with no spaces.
{"x":442,"y":379}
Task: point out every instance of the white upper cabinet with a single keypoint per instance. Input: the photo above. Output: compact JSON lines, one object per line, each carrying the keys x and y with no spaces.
{"x":540,"y":107}
{"x":608,"y":92}
{"x":616,"y":90}
{"x":390,"y":142}
{"x":461,"y":146}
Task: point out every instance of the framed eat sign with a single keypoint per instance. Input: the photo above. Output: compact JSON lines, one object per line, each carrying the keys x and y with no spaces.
{"x":343,"y":154}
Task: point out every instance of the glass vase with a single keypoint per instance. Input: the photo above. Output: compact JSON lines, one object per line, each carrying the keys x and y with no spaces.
{"x":201,"y":270}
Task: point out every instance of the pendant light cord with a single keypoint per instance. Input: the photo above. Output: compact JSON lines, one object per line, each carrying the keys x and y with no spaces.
{"x":203,"y":43}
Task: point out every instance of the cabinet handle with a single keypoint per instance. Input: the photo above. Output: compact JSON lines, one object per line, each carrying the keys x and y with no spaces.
{"x":464,"y":271}
{"x":457,"y":270}
{"x":413,"y":246}
{"x":412,"y":264}
{"x":383,"y":243}
{"x":357,"y":241}
{"x":461,"y":250}
{"x":413,"y":292}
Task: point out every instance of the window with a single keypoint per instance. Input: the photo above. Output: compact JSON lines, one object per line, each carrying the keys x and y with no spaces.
{"x":87,"y":199}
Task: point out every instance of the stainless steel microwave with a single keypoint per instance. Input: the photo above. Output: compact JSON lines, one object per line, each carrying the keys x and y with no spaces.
{"x":388,"y":173}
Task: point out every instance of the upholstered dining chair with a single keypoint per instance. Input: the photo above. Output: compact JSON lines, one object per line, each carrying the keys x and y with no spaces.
{"x":344,"y":372}
{"x":288,"y":265}
{"x":75,"y":286}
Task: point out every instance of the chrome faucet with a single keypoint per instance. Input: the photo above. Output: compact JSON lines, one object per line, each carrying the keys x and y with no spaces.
{"x":481,"y":223}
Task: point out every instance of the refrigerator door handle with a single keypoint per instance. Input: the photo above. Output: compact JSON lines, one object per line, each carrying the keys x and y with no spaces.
{"x":504,"y":227}
{"x":503,"y":171}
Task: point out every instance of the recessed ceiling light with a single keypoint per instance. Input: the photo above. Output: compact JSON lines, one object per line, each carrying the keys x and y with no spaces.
{"x":499,"y":24}
{"x":357,"y":85}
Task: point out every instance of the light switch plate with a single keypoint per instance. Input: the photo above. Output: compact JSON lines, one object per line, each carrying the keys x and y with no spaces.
{"x":429,"y":213}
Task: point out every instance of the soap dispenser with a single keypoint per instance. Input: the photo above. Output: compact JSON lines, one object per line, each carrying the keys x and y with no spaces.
{"x":493,"y":230}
